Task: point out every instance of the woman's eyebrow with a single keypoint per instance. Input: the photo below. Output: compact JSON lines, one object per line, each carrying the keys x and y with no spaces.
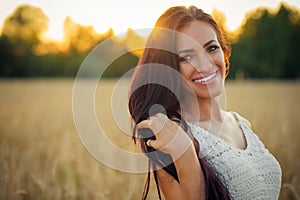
{"x":192,"y":50}
{"x":185,"y":51}
{"x":208,"y":43}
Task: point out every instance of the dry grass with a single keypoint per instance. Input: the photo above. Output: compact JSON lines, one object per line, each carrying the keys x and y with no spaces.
{"x":41,"y":156}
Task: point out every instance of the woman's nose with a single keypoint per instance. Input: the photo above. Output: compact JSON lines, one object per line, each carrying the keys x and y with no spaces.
{"x":204,"y":62}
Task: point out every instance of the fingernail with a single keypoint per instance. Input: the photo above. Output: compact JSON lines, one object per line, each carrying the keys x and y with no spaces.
{"x":148,"y":143}
{"x":160,"y":115}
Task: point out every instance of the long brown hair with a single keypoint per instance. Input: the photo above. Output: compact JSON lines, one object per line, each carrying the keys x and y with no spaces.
{"x":155,"y":83}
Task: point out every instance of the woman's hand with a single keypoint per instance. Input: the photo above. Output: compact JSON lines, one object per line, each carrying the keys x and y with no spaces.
{"x":170,"y":137}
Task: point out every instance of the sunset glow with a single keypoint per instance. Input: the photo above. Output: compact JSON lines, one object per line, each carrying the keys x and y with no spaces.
{"x":121,"y":15}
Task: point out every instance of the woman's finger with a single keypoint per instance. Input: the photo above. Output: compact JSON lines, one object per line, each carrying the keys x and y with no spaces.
{"x":156,"y":123}
{"x":149,"y":143}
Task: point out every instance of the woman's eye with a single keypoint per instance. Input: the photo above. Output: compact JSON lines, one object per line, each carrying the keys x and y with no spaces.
{"x":213,"y":48}
{"x":185,"y":58}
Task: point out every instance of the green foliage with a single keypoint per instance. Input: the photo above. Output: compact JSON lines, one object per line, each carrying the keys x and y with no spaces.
{"x":22,"y":33}
{"x":269,"y":45}
{"x":121,"y":65}
{"x":24,"y":28}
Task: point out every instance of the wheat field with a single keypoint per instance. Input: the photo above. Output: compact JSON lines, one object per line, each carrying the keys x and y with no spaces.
{"x":42,"y":157}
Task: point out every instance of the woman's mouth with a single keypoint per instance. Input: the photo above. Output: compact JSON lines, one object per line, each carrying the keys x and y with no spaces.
{"x":207,"y":79}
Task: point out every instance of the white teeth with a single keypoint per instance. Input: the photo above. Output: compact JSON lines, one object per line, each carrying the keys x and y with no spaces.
{"x":205,"y":78}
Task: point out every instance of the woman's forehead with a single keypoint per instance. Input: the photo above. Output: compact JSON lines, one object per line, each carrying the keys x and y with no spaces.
{"x":196,"y":33}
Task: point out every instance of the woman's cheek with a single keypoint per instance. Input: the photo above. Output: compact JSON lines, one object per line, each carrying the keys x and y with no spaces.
{"x":186,"y":70}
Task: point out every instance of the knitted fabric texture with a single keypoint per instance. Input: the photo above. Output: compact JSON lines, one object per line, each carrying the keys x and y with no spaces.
{"x":250,"y":173}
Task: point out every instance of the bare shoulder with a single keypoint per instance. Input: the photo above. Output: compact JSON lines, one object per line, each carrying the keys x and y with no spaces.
{"x":241,"y":118}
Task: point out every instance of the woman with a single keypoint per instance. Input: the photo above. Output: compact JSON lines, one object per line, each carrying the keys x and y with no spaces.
{"x":196,"y":149}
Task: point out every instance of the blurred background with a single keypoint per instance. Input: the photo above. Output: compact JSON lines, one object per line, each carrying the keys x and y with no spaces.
{"x":42,"y":45}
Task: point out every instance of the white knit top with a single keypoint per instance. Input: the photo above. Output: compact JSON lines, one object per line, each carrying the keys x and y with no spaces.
{"x":252,"y":173}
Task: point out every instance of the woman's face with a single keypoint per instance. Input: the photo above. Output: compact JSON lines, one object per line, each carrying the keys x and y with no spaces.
{"x":201,"y":59}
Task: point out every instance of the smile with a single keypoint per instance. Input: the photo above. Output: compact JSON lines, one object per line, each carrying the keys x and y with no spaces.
{"x":206,"y":79}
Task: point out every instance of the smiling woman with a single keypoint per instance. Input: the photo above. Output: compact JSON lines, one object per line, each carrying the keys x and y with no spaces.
{"x":207,"y":58}
{"x":196,"y":149}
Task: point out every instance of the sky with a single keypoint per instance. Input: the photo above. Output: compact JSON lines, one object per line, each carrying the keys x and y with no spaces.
{"x":124,"y":14}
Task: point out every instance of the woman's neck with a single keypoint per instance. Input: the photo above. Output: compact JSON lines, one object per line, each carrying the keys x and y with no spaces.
{"x":206,"y":110}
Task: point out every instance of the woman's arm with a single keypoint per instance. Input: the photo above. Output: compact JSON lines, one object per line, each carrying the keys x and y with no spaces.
{"x":192,"y":184}
{"x":171,"y":139}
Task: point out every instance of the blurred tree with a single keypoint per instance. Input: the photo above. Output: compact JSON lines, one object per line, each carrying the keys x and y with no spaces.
{"x":269,"y":45}
{"x":79,"y":38}
{"x":21,"y":33}
{"x":24,"y":54}
{"x":134,"y":42}
{"x":6,"y":65}
{"x":24,"y":28}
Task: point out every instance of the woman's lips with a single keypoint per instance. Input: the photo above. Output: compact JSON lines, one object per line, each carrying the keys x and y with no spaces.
{"x":206,"y":79}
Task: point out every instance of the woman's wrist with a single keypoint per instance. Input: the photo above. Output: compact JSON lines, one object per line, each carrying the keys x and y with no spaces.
{"x":180,"y":145}
{"x":190,"y":175}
